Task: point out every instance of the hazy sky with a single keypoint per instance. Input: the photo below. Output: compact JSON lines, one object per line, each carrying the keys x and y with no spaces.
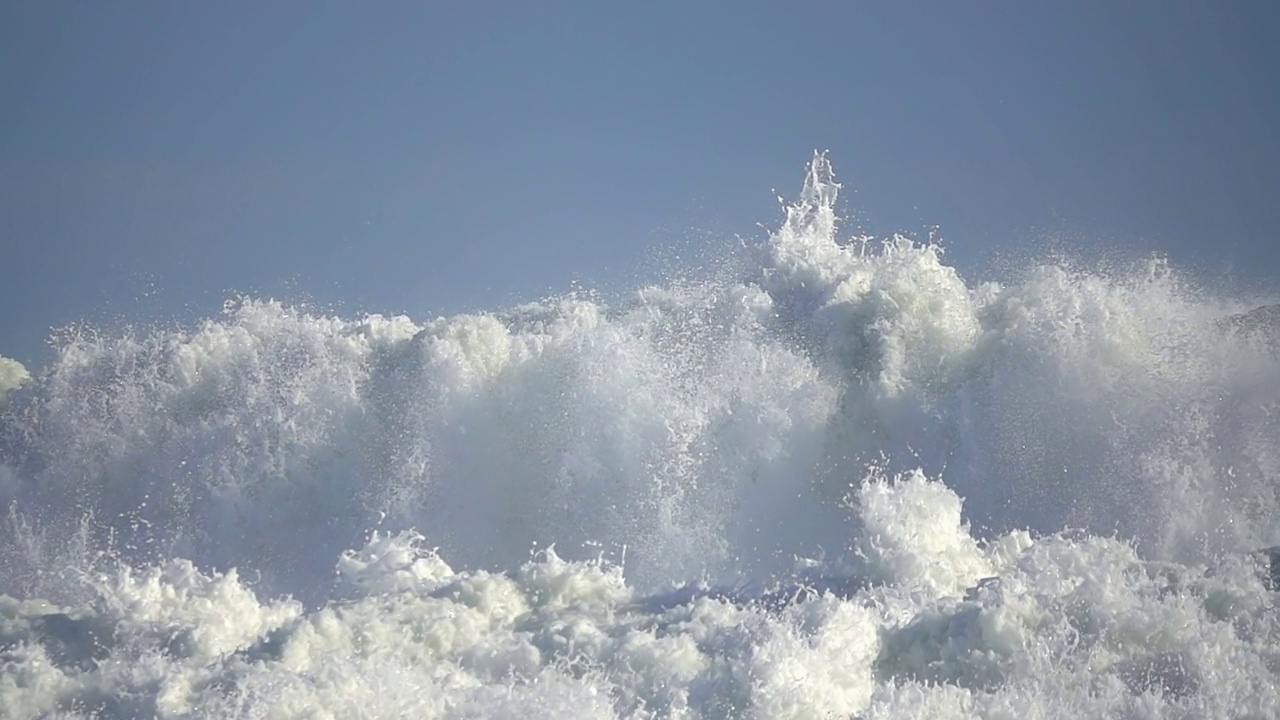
{"x":430,"y":157}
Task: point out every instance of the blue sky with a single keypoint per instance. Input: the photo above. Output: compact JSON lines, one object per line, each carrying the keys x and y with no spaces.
{"x":157,"y":157}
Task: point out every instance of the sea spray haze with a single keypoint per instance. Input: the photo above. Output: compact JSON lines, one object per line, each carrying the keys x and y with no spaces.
{"x":829,"y":478}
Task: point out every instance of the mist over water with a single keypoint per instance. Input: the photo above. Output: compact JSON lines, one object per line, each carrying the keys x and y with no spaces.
{"x":827,"y":477}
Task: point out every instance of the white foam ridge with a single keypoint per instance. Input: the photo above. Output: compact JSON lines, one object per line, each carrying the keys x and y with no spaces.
{"x":829,"y":477}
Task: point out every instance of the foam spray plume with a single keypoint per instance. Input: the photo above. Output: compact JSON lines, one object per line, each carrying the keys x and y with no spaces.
{"x":826,"y":478}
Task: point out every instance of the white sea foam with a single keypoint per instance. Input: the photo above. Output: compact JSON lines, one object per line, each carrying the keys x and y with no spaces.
{"x":12,"y":374}
{"x":832,"y":479}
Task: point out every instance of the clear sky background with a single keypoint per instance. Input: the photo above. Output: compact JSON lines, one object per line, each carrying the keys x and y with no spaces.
{"x":157,"y":158}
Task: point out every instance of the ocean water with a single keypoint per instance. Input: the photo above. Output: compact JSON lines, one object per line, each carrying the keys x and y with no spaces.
{"x":827,"y":477}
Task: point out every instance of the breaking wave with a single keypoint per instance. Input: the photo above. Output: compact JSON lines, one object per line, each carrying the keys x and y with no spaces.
{"x":827,"y":477}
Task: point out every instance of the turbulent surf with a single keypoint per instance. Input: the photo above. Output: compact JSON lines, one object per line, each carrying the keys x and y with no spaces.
{"x":826,"y":477}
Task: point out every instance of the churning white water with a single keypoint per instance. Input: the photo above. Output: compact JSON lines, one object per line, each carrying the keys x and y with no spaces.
{"x":829,"y":478}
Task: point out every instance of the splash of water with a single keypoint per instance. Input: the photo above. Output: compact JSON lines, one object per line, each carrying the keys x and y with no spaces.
{"x":828,"y":447}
